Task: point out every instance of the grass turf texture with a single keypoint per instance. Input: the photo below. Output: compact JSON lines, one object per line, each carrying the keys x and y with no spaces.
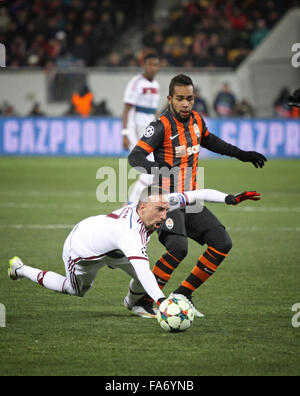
{"x":247,"y":329}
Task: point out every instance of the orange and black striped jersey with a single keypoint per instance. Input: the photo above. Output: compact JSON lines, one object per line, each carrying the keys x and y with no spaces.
{"x":176,"y":144}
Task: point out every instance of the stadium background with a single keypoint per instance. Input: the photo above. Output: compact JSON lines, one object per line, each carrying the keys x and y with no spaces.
{"x":54,"y":48}
{"x":50,"y":156}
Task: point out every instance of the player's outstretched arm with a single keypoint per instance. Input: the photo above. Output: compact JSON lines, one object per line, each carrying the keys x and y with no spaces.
{"x":214,"y":143}
{"x":181,"y":200}
{"x":147,"y":280}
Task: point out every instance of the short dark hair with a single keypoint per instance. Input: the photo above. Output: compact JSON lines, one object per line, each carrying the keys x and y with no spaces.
{"x":152,"y":55}
{"x":152,"y":190}
{"x":182,"y":80}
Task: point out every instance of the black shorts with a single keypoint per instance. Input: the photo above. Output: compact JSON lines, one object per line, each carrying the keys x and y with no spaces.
{"x":192,"y":225}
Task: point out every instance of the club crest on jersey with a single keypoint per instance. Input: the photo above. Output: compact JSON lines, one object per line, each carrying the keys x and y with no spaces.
{"x":197,"y":130}
{"x":169,"y":223}
{"x":149,"y":131}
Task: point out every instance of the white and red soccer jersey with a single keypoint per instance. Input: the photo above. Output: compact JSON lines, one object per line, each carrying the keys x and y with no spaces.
{"x":143,"y":95}
{"x":121,"y":233}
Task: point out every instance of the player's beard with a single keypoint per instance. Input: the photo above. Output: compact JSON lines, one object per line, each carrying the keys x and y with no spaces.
{"x":178,"y":115}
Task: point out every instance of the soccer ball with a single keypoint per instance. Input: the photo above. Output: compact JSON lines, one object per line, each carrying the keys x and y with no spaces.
{"x":175,"y":315}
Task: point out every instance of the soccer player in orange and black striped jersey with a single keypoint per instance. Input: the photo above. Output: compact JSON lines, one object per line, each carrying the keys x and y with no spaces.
{"x":175,"y":139}
{"x":176,"y":146}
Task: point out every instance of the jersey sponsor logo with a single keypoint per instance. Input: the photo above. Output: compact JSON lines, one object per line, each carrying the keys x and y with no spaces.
{"x":150,"y":90}
{"x":149,"y":131}
{"x":193,"y":150}
{"x":182,"y":151}
{"x":169,"y":223}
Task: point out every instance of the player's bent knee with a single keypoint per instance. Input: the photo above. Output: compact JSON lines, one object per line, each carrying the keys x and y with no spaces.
{"x":74,"y":290}
{"x":77,"y":293}
{"x":177,"y":246}
{"x":180,"y":252}
{"x":81,"y":293}
{"x":220,"y":240}
{"x":226,"y":245}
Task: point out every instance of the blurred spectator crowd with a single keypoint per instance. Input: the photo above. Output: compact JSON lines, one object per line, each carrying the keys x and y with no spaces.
{"x":198,"y":33}
{"x":217,"y":33}
{"x":64,"y":32}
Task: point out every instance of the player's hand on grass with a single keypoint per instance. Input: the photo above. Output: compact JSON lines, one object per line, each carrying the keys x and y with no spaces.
{"x":234,"y":199}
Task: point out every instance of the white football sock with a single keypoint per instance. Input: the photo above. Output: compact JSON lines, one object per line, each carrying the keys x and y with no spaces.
{"x":50,"y":280}
{"x":135,"y":292}
{"x":28,"y":272}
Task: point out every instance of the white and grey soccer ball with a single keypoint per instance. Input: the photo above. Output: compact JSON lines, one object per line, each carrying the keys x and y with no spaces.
{"x":175,"y":315}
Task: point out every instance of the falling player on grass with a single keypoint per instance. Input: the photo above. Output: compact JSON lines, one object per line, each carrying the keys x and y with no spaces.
{"x":117,"y":240}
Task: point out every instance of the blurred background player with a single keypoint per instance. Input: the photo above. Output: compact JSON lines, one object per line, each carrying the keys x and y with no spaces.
{"x":294,"y":99}
{"x":280,"y":106}
{"x":225,"y":102}
{"x":141,"y":100}
{"x":294,"y":102}
{"x":82,"y":102}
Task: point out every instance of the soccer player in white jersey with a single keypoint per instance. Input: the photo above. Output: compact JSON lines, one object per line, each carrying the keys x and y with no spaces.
{"x":141,"y":100}
{"x":118,"y":240}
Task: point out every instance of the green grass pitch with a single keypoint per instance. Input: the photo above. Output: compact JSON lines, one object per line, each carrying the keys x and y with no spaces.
{"x":248,"y":303}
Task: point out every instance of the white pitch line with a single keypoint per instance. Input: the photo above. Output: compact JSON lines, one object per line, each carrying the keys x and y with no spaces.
{"x":26,"y":205}
{"x":47,"y":193}
{"x":38,"y":226}
{"x":70,"y":226}
{"x":265,"y":209}
{"x":264,"y":229}
{"x":84,"y":192}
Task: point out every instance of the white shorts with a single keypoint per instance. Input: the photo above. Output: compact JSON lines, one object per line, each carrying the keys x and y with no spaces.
{"x":81,"y":273}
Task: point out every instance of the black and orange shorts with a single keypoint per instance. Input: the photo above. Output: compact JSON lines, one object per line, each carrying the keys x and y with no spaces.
{"x":191,"y":225}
